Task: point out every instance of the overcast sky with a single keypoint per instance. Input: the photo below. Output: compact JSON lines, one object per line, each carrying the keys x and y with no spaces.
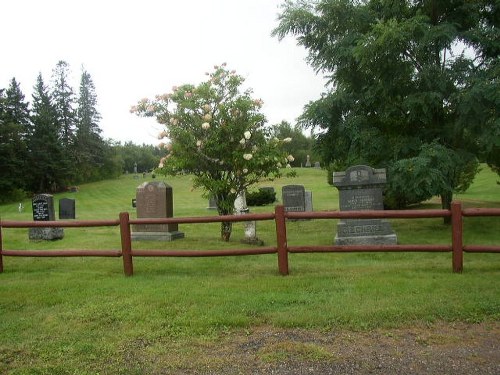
{"x":137,"y":49}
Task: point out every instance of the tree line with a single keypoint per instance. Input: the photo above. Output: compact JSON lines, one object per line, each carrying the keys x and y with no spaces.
{"x":55,"y":141}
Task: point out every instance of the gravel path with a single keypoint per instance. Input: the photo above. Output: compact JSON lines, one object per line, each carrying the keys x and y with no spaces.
{"x":457,"y":348}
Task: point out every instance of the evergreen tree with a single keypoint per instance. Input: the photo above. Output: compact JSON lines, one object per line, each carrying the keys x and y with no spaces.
{"x":14,"y":122}
{"x":89,"y":147}
{"x":64,"y":101}
{"x":47,"y":157}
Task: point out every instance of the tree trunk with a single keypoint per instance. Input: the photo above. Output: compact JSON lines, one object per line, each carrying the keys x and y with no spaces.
{"x":225,"y":230}
{"x":446,"y":199}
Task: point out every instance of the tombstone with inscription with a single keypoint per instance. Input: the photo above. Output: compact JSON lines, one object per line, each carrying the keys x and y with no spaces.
{"x":67,"y":208}
{"x":155,"y":200}
{"x":43,"y":210}
{"x":212,"y":203}
{"x":360,"y":188}
{"x":294,"y":198}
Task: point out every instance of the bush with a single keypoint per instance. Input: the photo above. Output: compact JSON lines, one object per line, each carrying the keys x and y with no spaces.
{"x":261,"y":197}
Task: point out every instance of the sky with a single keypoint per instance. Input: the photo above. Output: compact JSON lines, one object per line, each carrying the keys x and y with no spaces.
{"x":138,"y":49}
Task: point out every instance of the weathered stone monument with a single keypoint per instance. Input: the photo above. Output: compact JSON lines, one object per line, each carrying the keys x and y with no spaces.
{"x":155,"y":200}
{"x":360,"y":188}
{"x":43,"y":210}
{"x":250,"y":227}
{"x":67,"y":208}
{"x":212,"y":203}
{"x":296,"y":198}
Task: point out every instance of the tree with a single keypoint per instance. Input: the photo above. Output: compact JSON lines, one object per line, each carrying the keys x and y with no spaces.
{"x":89,"y":147}
{"x":64,"y":100}
{"x":48,"y":161}
{"x":300,"y":145}
{"x":14,"y":123}
{"x":407,"y":81}
{"x":217,"y":134}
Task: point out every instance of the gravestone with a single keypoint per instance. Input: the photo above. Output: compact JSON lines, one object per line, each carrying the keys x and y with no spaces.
{"x":270,"y":190}
{"x":317,"y":165}
{"x":308,"y":203}
{"x":308,"y":161}
{"x":212,"y":203}
{"x":155,"y":200}
{"x":250,"y":227}
{"x":43,"y":210}
{"x":134,"y":203}
{"x":360,"y":188}
{"x":67,"y":208}
{"x":294,"y":198}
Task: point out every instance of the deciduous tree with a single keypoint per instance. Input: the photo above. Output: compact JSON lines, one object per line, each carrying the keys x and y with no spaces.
{"x":216,"y":132}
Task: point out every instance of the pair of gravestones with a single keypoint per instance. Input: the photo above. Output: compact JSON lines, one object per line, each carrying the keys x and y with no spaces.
{"x":43,"y":210}
{"x":360,"y":188}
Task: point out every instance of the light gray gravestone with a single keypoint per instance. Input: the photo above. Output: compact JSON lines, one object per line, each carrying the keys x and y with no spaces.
{"x":43,"y":210}
{"x":67,"y":208}
{"x":155,"y":200}
{"x":360,"y":188}
{"x":250,"y":227}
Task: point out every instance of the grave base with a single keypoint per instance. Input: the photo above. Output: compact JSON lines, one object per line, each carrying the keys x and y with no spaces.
{"x":157,"y":236}
{"x":388,"y":239}
{"x":252,"y":241}
{"x":365,"y":232}
{"x":45,"y":234}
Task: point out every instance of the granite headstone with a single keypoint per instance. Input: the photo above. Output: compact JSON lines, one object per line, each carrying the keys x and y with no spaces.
{"x":67,"y":208}
{"x":43,"y":210}
{"x":155,"y":200}
{"x":360,"y":188}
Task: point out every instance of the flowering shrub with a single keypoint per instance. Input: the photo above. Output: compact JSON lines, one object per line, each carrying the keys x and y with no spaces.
{"x":216,"y":133}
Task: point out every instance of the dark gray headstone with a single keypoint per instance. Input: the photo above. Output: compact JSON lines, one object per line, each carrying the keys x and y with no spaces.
{"x":43,"y":210}
{"x":294,"y":198}
{"x":155,"y":200}
{"x":134,"y":202}
{"x":317,"y":165}
{"x":360,"y":188}
{"x":67,"y":208}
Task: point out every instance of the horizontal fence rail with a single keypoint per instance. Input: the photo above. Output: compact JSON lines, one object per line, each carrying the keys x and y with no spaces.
{"x":282,"y":249}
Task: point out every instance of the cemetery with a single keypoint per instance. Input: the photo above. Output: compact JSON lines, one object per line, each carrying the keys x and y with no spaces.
{"x":245,"y":290}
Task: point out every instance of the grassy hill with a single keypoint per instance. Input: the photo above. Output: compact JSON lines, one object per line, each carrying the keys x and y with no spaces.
{"x":82,"y":316}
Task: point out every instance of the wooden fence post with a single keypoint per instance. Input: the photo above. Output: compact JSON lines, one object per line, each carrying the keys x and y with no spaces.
{"x":128,"y":267}
{"x":1,"y":248}
{"x":457,"y":236}
{"x":281,"y":241}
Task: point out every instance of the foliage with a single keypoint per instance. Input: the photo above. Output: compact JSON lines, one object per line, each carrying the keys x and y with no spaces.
{"x":14,"y":121}
{"x":216,"y":133}
{"x":261,"y":197}
{"x":300,"y":145}
{"x":47,"y":156}
{"x":405,"y":77}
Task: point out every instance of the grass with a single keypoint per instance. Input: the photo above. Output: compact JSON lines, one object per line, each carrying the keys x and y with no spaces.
{"x":82,"y":316}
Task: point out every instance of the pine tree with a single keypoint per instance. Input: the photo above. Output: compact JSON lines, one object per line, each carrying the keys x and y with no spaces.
{"x":64,"y":100}
{"x":89,"y":146}
{"x":47,"y":157}
{"x":14,"y":122}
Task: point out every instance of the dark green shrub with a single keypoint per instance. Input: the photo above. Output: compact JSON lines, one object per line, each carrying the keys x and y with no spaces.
{"x":261,"y":197}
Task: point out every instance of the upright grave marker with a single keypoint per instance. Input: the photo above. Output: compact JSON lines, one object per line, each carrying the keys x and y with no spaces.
{"x":360,"y":188}
{"x":294,"y":198}
{"x":43,"y":210}
{"x":67,"y":208}
{"x":155,"y":200}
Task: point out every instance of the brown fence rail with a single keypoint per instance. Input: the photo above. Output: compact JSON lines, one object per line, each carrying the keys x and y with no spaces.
{"x":282,"y":249}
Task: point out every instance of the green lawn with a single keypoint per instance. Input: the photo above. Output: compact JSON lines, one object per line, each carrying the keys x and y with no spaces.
{"x":82,"y":316}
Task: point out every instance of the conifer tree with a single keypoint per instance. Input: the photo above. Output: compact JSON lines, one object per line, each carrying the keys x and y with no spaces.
{"x":89,"y":146}
{"x":14,"y":122}
{"x":47,"y":157}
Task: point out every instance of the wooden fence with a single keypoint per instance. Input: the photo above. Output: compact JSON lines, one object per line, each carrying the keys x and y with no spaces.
{"x":282,"y":249}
